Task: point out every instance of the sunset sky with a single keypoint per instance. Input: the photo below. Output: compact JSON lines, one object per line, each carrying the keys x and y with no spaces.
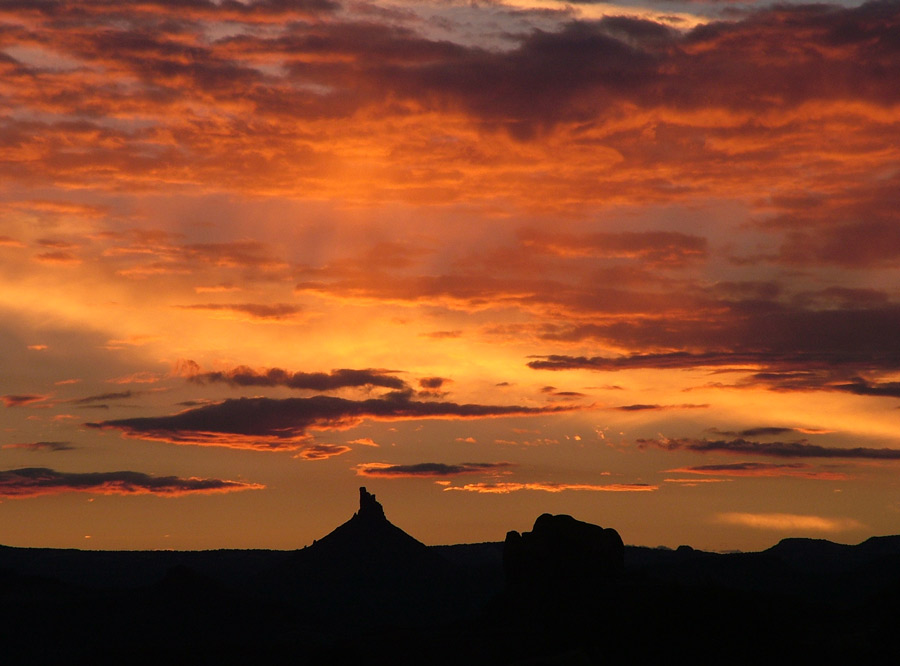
{"x":638,"y":263}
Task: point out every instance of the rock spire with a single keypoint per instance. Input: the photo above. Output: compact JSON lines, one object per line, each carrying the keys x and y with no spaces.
{"x":369,"y":507}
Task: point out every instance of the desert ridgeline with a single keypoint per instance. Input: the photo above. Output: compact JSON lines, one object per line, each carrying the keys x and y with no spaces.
{"x":568,"y":592}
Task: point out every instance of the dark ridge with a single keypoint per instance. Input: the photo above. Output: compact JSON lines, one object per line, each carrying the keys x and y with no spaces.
{"x":370,"y":572}
{"x":568,"y":592}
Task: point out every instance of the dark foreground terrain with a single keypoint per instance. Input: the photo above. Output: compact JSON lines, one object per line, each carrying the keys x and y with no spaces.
{"x":368,"y":593}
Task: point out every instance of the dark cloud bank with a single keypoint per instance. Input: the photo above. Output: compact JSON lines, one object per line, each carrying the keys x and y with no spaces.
{"x":313,"y":381}
{"x":427,"y":469}
{"x":270,"y":424}
{"x":800,"y":449}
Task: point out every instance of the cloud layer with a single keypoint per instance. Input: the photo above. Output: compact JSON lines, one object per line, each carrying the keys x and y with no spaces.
{"x":271,"y":424}
{"x":385,"y":470}
{"x":800,"y":449}
{"x":312,"y":381}
{"x":34,"y":481}
{"x":503,"y":488}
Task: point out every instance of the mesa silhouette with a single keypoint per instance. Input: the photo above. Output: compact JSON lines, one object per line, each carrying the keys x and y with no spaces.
{"x":567,"y":592}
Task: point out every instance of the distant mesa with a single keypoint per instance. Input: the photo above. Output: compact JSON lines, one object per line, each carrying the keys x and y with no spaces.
{"x":561,"y":549}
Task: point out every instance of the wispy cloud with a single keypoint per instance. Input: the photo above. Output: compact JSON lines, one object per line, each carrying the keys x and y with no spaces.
{"x":103,"y":397}
{"x":253,"y":311}
{"x":313,"y":381}
{"x":33,"y":481}
{"x":653,"y":247}
{"x":657,"y":408}
{"x":386,"y":470}
{"x":740,"y":446}
{"x":40,"y":446}
{"x":548,"y":487}
{"x":756,"y":469}
{"x":788,"y":522}
{"x":322,"y":451}
{"x":23,"y":400}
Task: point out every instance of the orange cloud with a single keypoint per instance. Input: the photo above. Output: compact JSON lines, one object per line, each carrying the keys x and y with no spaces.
{"x":23,"y":400}
{"x":788,"y":522}
{"x":511,"y":487}
{"x":364,"y":441}
{"x":322,"y":451}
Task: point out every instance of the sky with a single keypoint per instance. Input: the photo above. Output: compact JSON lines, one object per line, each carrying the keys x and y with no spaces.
{"x":636,"y":263}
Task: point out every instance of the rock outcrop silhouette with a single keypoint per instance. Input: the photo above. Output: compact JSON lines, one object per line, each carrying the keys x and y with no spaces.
{"x":368,"y":541}
{"x":561,"y":549}
{"x":369,"y":571}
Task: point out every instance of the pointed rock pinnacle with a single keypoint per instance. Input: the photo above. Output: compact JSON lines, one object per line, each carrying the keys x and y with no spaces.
{"x":369,"y":507}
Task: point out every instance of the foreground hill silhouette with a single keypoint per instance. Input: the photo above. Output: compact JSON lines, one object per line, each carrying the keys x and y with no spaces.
{"x":567,"y":592}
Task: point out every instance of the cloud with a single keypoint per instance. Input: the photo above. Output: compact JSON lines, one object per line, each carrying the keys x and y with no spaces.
{"x":857,"y":229}
{"x":364,"y":441}
{"x":668,"y":360}
{"x":130,"y":341}
{"x":58,"y":257}
{"x":861,"y":386}
{"x":512,"y":487}
{"x":681,"y":360}
{"x":754,"y":469}
{"x":656,"y":408}
{"x":41,"y":446}
{"x":720,"y":93}
{"x":322,"y":451}
{"x":8,"y":241}
{"x":102,"y":397}
{"x":313,"y":381}
{"x":650,"y":247}
{"x":139,"y":254}
{"x":274,"y":312}
{"x":443,"y":335}
{"x":22,"y":400}
{"x":34,"y":481}
{"x":770,"y":344}
{"x":385,"y":470}
{"x":432,"y":383}
{"x":800,"y":449}
{"x":270,"y":424}
{"x":694,"y":482}
{"x":143,"y":377}
{"x":252,"y":10}
{"x":765,"y":431}
{"x":788,"y":522}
